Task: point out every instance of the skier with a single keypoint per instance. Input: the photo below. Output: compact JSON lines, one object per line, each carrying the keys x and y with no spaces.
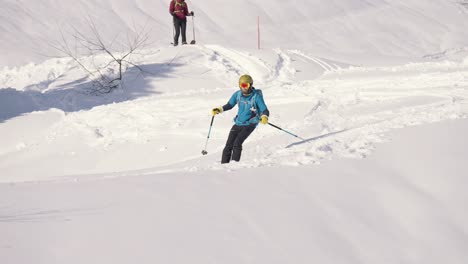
{"x":179,"y":11}
{"x":251,"y":110}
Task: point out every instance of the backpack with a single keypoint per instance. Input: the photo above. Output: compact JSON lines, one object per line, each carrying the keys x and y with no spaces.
{"x":179,"y":3}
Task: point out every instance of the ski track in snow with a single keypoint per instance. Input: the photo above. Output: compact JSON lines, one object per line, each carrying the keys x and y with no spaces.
{"x":345,"y":110}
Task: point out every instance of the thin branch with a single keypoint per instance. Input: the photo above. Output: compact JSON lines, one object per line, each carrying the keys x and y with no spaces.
{"x":109,"y":75}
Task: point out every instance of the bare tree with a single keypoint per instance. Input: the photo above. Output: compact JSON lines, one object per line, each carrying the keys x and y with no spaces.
{"x":117,"y":52}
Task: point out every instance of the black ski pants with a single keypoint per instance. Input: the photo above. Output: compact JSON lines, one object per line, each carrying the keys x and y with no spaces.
{"x":180,"y":24}
{"x":237,"y":136}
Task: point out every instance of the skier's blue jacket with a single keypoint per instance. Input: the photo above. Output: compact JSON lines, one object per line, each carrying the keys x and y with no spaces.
{"x":250,"y":107}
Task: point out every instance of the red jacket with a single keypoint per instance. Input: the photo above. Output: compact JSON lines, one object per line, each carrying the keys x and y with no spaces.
{"x":179,"y":8}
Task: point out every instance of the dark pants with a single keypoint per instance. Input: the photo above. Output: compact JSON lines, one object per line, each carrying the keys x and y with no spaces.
{"x":237,"y":136}
{"x":178,"y":25}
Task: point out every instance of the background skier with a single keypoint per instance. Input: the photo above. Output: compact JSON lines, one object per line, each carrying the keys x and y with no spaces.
{"x":251,"y":110}
{"x":179,"y":11}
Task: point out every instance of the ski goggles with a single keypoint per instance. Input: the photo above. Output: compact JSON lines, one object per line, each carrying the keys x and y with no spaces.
{"x":244,"y":85}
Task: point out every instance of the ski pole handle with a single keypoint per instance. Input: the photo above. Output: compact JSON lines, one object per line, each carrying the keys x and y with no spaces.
{"x":212,"y":118}
{"x":209,"y":131}
{"x":275,"y":126}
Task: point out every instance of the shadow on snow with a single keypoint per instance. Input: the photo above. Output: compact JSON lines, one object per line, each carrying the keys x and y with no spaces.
{"x":316,"y":138}
{"x":80,"y":94}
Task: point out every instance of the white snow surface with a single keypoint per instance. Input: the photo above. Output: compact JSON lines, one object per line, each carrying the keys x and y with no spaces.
{"x":357,"y":30}
{"x":377,"y":91}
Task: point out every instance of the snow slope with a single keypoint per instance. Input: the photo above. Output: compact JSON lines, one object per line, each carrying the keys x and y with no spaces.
{"x":342,"y":111}
{"x":403,"y":204}
{"x":340,"y":29}
{"x":377,"y":91}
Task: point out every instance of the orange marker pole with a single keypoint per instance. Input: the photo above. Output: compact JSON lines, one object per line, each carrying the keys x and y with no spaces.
{"x":258,"y":27}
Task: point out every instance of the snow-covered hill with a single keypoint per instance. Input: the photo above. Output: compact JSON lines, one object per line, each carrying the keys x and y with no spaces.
{"x":165,"y":112}
{"x":403,"y":204}
{"x":341,"y":29}
{"x":377,"y":91}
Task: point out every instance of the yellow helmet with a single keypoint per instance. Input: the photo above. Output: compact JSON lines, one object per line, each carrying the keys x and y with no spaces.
{"x":245,"y":81}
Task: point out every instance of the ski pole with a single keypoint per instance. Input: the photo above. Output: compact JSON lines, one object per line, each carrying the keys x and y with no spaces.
{"x":204,"y":152}
{"x":277,"y":127}
{"x":193,"y":28}
{"x":173,"y":31}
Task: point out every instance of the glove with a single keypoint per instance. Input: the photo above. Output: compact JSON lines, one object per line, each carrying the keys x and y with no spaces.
{"x":264,"y":119}
{"x":191,"y":13}
{"x":216,"y":110}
